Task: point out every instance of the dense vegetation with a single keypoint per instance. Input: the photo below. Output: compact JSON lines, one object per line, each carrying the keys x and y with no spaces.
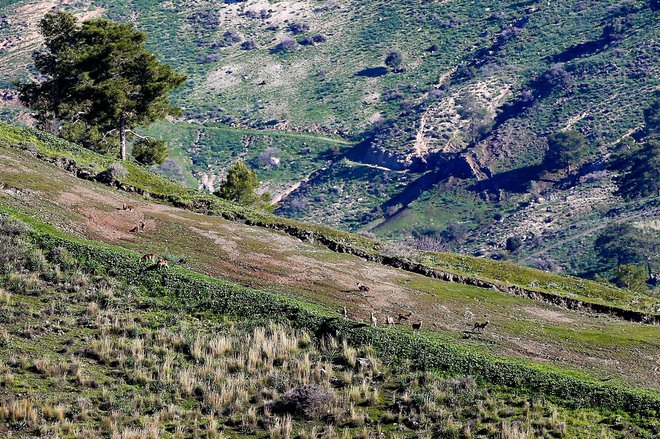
{"x":97,"y":81}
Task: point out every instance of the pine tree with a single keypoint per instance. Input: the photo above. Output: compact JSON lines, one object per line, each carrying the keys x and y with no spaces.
{"x":149,"y":151}
{"x":98,"y":81}
{"x":240,"y":187}
{"x":639,"y":171}
{"x":565,"y":148}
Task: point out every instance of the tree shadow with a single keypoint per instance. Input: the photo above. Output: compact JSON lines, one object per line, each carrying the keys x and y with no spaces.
{"x":579,"y":50}
{"x":372,"y":72}
{"x":515,"y":180}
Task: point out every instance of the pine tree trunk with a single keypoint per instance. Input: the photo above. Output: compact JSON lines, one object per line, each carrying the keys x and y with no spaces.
{"x":122,"y":136}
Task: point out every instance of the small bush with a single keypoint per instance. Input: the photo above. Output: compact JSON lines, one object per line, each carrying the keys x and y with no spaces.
{"x":513,"y":244}
{"x":298,"y":28}
{"x":286,"y":46}
{"x":309,"y":401}
{"x":231,"y":37}
{"x":394,"y":60}
{"x":249,"y":45}
{"x":149,"y":151}
{"x":557,"y":77}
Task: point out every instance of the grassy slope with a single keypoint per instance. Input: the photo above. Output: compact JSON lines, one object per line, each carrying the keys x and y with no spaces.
{"x":210,"y":149}
{"x":141,"y":359}
{"x":508,"y":274}
{"x":566,"y":333}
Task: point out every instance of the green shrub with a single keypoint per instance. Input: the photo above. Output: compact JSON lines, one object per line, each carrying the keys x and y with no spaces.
{"x":240,"y":186}
{"x":149,"y":151}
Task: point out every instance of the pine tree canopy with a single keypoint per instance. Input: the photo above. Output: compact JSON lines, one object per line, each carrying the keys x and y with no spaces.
{"x":98,"y":81}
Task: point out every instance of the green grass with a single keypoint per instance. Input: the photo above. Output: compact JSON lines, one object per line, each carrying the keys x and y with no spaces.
{"x":212,"y":148}
{"x":184,"y":291}
{"x":512,"y":274}
{"x":170,"y":191}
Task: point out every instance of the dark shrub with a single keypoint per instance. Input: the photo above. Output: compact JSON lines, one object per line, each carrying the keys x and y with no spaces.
{"x":286,"y":46}
{"x":557,"y":77}
{"x":319,"y":39}
{"x":312,"y":40}
{"x":298,"y":28}
{"x":513,"y":244}
{"x":248,"y":45}
{"x":394,"y":60}
{"x":231,"y":37}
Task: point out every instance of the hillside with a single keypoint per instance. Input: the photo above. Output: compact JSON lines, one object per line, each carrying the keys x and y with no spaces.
{"x":124,"y":361}
{"x":98,"y":342}
{"x":454,"y":136}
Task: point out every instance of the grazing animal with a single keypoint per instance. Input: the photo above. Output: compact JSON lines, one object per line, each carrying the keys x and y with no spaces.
{"x":389,"y":320}
{"x":405,"y":316}
{"x":480,"y":326}
{"x":138,"y":228}
{"x":128,"y":207}
{"x":163,"y":263}
{"x":417,"y":326}
{"x":362,"y":287}
{"x":374,"y":320}
{"x":149,"y":257}
{"x":344,"y":312}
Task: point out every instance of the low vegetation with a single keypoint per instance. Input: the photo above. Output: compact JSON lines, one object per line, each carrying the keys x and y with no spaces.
{"x":136,"y":177}
{"x":87,"y":355}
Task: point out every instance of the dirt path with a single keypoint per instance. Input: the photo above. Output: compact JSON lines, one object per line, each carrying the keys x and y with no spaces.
{"x":280,"y":263}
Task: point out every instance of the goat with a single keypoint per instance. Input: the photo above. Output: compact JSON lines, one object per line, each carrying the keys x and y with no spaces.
{"x":344,"y":312}
{"x":149,"y":257}
{"x":163,"y":263}
{"x":417,"y":326}
{"x":128,"y":207}
{"x":374,"y":320}
{"x":480,"y":326}
{"x":142,"y":226}
{"x":135,"y":229}
{"x":362,"y":287}
{"x":405,"y":316}
{"x":389,"y":320}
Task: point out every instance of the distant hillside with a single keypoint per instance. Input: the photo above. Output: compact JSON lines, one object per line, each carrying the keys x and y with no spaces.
{"x":452,"y":138}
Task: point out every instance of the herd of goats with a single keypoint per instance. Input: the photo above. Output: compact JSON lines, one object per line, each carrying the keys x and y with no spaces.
{"x":161,"y":263}
{"x":403,"y":317}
